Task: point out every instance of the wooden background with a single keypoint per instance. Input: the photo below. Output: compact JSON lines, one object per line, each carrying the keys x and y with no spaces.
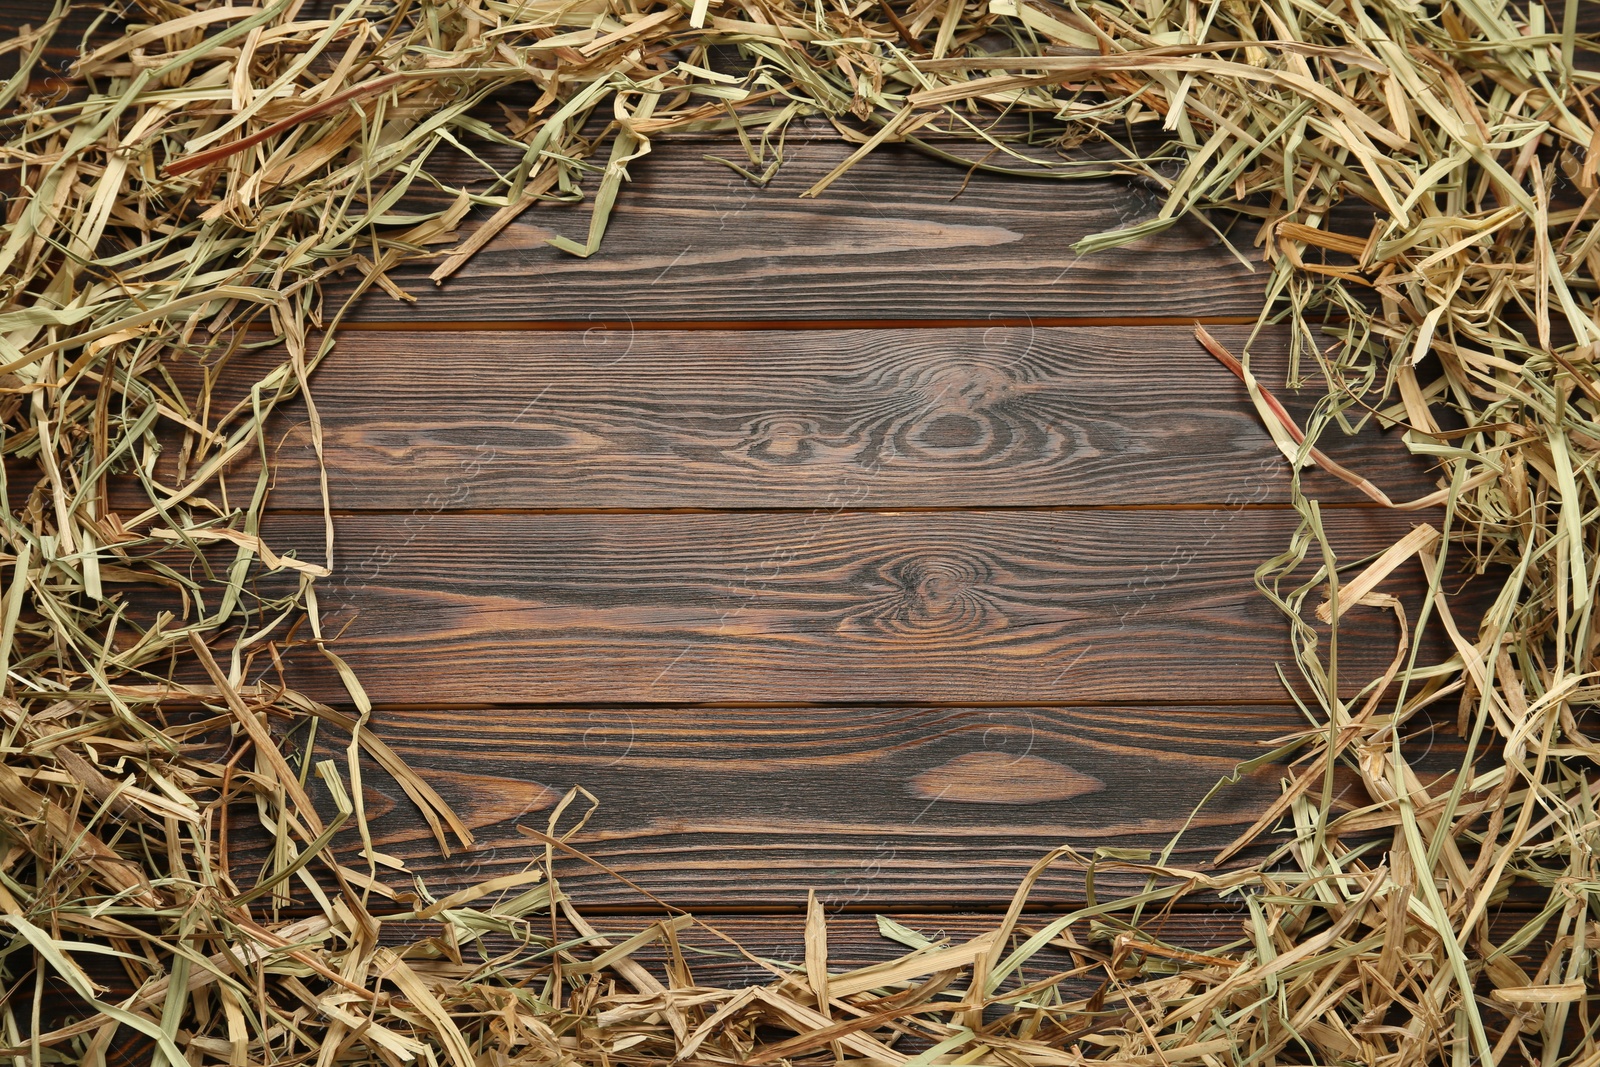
{"x":874,"y":544}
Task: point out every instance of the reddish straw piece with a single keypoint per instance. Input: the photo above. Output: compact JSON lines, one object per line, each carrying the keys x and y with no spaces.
{"x":1229,"y":360}
{"x":221,"y":152}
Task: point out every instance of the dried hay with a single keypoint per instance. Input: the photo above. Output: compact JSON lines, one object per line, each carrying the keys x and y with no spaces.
{"x":1420,"y":184}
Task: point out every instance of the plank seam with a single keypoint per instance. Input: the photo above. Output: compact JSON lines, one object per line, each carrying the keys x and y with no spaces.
{"x":1268,"y":508}
{"x":769,"y":325}
{"x":875,"y":705}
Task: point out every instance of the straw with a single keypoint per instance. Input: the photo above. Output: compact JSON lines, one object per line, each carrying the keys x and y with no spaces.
{"x":1414,"y":185}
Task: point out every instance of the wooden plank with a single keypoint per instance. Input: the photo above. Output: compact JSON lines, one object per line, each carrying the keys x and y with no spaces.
{"x":868,"y":806}
{"x":896,"y":238}
{"x":989,"y":606}
{"x":854,"y":418}
{"x":854,"y":940}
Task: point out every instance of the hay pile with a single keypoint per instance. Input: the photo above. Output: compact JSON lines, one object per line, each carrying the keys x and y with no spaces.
{"x":1420,"y":184}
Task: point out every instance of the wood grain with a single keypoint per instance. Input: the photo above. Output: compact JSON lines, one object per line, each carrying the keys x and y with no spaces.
{"x":477,"y":631}
{"x":854,"y":939}
{"x":986,"y":606}
{"x":870,"y":806}
{"x":895,"y":238}
{"x":811,"y":419}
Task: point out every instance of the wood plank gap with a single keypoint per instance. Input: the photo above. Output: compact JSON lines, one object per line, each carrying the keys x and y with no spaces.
{"x":1346,"y":505}
{"x":816,"y":705}
{"x":1509,"y":910}
{"x":709,"y":915}
{"x":770,"y":325}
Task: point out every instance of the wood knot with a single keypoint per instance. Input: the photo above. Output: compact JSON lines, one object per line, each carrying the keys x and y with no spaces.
{"x":481,"y":800}
{"x":945,"y":594}
{"x":782,"y":440}
{"x":970,"y":416}
{"x":954,"y":432}
{"x":996,"y":778}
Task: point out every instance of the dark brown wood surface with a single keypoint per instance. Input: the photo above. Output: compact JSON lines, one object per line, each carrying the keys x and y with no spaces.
{"x":854,"y":940}
{"x":616,"y":418}
{"x":958,"y":594}
{"x":870,"y":806}
{"x":896,"y":238}
{"x":1032,"y":606}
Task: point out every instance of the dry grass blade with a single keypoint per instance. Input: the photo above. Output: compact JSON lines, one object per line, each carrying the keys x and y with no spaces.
{"x":1419,"y":186}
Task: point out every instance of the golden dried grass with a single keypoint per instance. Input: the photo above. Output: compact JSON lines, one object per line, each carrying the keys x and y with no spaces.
{"x":1421,"y":187}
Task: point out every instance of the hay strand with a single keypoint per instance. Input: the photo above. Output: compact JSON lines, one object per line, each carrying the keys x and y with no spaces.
{"x":1418,"y":187}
